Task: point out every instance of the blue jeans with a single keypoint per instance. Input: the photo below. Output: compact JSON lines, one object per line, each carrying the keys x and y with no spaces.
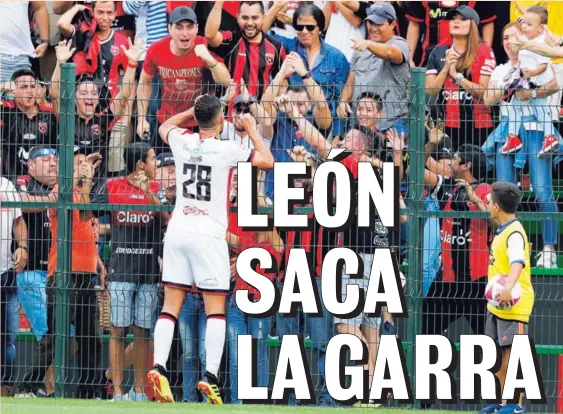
{"x":540,"y":177}
{"x":192,"y":323}
{"x":10,"y":64}
{"x":240,"y":324}
{"x":13,"y":328}
{"x":33,"y":298}
{"x":320,"y":330}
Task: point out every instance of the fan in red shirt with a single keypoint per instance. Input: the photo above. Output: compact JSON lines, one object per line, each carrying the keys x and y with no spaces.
{"x":186,"y":70}
{"x":458,"y":74}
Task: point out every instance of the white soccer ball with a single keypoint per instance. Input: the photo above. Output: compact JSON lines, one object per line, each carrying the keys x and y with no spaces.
{"x":494,"y":288}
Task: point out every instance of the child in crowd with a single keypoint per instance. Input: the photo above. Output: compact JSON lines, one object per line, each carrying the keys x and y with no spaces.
{"x":535,"y":72}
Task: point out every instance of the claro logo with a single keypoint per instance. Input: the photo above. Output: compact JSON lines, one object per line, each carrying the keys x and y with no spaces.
{"x":130,"y":217}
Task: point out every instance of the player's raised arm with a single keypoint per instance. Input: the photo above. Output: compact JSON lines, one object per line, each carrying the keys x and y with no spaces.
{"x":262,"y":158}
{"x":175,"y":122}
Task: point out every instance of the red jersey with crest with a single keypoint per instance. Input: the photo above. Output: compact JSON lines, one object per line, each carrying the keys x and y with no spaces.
{"x":183,"y":78}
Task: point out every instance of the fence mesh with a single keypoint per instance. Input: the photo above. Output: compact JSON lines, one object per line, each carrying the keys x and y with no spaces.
{"x":79,"y":314}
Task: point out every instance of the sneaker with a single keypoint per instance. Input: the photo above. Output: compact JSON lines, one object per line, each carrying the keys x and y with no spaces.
{"x":511,"y":409}
{"x":513,"y":144}
{"x":136,"y":396}
{"x":550,"y":144}
{"x":160,"y":387}
{"x":546,"y":259}
{"x":209,"y":387}
{"x":490,"y":409}
{"x":124,"y":397}
{"x":370,"y":404}
{"x":28,"y":394}
{"x":388,"y":329}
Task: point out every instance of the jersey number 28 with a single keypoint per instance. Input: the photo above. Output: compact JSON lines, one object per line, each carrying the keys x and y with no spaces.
{"x":201,"y":176}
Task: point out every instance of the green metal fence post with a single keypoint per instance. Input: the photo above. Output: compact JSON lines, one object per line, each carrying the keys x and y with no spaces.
{"x":416,"y":206}
{"x":64,"y":215}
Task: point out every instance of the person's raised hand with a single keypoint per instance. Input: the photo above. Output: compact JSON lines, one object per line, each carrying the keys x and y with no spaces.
{"x":435,"y":131}
{"x":135,"y":50}
{"x":64,"y":51}
{"x":204,"y":54}
{"x":360,"y":44}
{"x":296,"y":62}
{"x":344,"y":110}
{"x":249,"y":124}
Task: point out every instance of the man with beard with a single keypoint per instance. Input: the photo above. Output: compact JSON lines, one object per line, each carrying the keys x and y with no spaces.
{"x":183,"y":64}
{"x":249,"y":54}
{"x":24,"y":124}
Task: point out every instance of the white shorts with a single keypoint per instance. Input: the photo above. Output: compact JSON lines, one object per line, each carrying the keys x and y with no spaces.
{"x":196,"y":259}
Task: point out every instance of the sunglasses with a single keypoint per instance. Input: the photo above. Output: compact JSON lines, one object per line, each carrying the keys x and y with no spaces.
{"x":45,"y":152}
{"x":242,"y":108}
{"x":309,"y":27}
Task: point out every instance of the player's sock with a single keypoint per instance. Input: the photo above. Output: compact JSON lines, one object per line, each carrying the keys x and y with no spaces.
{"x":214,"y":342}
{"x":163,"y":336}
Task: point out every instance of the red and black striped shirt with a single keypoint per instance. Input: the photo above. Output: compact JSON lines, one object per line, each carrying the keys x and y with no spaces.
{"x":256,"y":63}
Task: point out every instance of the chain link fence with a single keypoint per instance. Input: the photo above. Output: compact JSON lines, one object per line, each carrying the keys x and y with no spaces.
{"x":78,"y":318}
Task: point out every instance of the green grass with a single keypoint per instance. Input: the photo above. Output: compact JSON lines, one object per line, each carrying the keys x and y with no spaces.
{"x":41,"y":406}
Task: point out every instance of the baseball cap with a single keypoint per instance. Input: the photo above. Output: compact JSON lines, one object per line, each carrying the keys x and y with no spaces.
{"x":182,"y":13}
{"x":42,"y":151}
{"x":445,"y":149}
{"x":465,"y":11}
{"x":164,"y":159}
{"x":381,"y":12}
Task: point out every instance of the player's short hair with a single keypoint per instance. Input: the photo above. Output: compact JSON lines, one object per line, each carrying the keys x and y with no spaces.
{"x":252,"y":3}
{"x":296,"y":89}
{"x":476,"y":156}
{"x":540,"y":11}
{"x":374,"y":97}
{"x":22,"y":72}
{"x":507,"y":195}
{"x":135,"y":152}
{"x":207,"y":109}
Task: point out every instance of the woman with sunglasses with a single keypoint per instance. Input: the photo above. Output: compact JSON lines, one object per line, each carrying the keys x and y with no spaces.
{"x":509,"y":166}
{"x":325,"y":66}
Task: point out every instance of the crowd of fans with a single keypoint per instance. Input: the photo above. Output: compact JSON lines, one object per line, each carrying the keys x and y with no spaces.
{"x":306,"y":76}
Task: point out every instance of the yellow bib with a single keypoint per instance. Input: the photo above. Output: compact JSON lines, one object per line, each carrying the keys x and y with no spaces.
{"x":554,"y":15}
{"x":499,"y":264}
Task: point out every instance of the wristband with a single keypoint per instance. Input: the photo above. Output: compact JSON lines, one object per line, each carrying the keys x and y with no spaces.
{"x":132,"y":65}
{"x":212,"y":66}
{"x":43,"y":41}
{"x":306,"y":76}
{"x":24,"y":248}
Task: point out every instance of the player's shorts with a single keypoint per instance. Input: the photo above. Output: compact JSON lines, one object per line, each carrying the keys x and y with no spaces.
{"x":503,"y":331}
{"x":132,"y":303}
{"x":362,"y":320}
{"x":196,"y":260}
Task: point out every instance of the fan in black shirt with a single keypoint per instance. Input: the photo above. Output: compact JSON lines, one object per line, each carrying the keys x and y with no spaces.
{"x":24,"y":124}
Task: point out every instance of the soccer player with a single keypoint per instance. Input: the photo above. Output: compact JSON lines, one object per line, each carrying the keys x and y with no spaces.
{"x":510,"y":255}
{"x":195,"y":246}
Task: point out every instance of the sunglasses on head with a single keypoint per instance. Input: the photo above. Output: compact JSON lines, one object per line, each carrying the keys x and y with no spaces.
{"x":242,"y":108}
{"x":309,"y":27}
{"x":45,"y":152}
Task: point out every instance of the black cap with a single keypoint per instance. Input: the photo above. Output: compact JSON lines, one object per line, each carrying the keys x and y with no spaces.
{"x":164,"y":159}
{"x":445,"y":150}
{"x":465,"y":11}
{"x":182,"y":13}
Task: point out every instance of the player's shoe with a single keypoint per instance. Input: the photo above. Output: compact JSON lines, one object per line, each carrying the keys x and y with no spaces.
{"x":209,"y":387}
{"x":159,"y":386}
{"x":511,"y":409}
{"x":490,"y":409}
{"x":513,"y":144}
{"x":388,"y":329}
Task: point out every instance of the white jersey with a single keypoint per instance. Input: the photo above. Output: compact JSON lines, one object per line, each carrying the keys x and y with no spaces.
{"x":204,"y":170}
